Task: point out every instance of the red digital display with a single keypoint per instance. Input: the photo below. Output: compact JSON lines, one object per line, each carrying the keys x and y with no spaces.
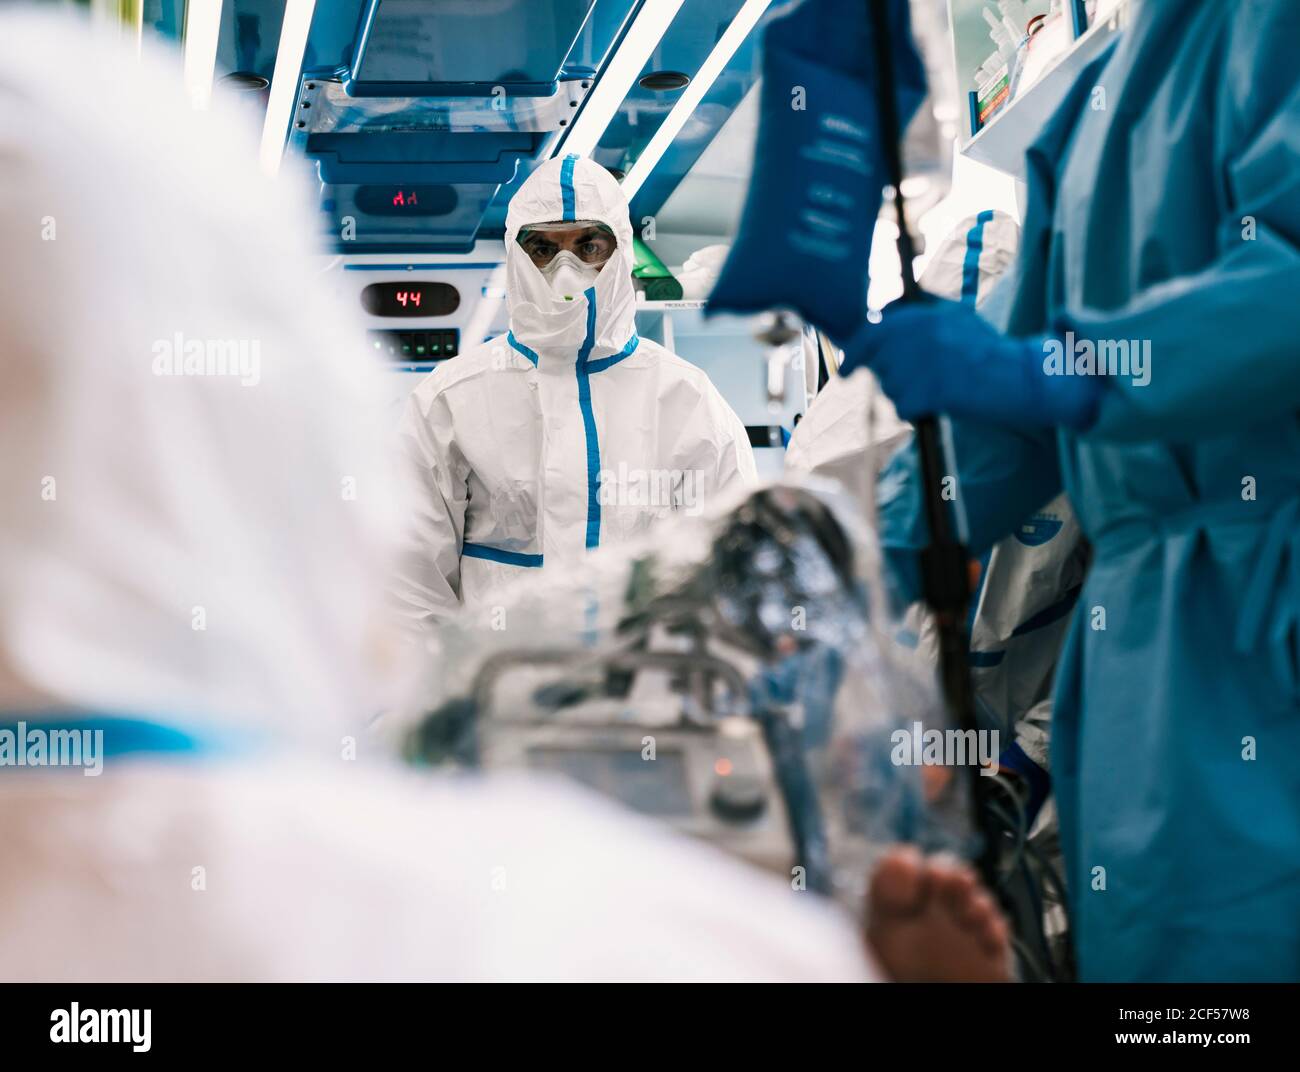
{"x":410,"y":299}
{"x":406,"y":200}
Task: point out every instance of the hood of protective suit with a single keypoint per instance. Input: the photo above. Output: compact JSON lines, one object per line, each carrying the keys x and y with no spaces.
{"x":570,"y":188}
{"x":851,"y":415}
{"x":193,"y":501}
{"x":972,"y":257}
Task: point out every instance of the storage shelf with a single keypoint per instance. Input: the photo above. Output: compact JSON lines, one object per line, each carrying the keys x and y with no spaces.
{"x":1002,"y":142}
{"x":669,"y":306}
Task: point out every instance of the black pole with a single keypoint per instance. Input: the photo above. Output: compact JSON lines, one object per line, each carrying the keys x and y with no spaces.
{"x":944,"y":569}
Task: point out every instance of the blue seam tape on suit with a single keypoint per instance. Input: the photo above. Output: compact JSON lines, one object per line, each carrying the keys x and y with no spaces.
{"x":607,"y":362}
{"x":585,"y":368}
{"x":589,"y":424}
{"x":1045,"y":617}
{"x":970,"y":269}
{"x":1048,"y":615}
{"x":530,"y":354}
{"x":566,"y":187}
{"x":495,"y":554}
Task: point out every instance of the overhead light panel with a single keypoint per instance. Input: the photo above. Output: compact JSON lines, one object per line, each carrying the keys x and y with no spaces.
{"x":284,"y":81}
{"x":202,"y":32}
{"x":714,"y":65}
{"x":620,"y":74}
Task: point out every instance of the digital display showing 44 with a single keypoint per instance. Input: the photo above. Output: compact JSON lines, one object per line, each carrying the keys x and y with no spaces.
{"x":410,"y":299}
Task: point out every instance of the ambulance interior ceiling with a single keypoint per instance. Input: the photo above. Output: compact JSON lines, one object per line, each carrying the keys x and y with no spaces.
{"x":419,"y":119}
{"x":458,"y":100}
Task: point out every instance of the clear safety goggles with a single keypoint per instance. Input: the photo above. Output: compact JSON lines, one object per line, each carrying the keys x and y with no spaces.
{"x":591,"y":242}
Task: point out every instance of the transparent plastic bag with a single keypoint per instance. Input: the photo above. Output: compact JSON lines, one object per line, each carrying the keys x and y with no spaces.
{"x":774,"y":606}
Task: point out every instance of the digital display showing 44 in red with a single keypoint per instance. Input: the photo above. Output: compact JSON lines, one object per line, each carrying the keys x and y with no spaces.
{"x":410,"y":299}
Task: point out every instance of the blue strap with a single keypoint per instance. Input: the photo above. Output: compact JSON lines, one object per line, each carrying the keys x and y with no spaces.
{"x":566,"y":187}
{"x":530,"y":354}
{"x":496,"y":554}
{"x":1048,"y":615}
{"x":970,"y":269}
{"x":984,"y":660}
{"x":589,"y":424}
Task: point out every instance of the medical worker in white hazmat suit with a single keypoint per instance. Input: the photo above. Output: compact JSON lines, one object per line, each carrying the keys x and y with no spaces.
{"x":567,"y":433}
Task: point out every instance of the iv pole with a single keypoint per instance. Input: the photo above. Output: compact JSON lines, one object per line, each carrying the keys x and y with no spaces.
{"x":944,"y":561}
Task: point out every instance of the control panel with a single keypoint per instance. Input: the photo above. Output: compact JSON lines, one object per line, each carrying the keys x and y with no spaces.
{"x":713,"y":782}
{"x":414,"y":346}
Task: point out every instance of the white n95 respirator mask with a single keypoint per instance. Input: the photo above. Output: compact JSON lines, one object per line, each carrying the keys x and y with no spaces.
{"x":568,"y":276}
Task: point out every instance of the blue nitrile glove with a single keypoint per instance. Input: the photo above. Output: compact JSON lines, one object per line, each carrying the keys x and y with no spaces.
{"x":940,"y":357}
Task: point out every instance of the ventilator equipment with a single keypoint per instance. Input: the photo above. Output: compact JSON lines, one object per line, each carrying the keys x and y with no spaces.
{"x":731,"y":684}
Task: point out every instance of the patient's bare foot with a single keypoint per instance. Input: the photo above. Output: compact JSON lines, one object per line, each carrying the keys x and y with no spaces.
{"x":930,"y":921}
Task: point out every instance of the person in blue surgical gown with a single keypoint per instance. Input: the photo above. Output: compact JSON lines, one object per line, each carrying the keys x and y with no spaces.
{"x":1163,"y":226}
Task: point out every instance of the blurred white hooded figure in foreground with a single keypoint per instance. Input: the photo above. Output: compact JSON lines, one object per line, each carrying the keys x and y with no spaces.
{"x":191,"y":565}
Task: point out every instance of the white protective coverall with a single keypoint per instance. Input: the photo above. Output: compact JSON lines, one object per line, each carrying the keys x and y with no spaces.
{"x":207,"y":558}
{"x":567,"y":433}
{"x":1032,"y":578}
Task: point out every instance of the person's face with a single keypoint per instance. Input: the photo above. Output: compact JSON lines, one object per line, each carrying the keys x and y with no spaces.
{"x":591,"y":243}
